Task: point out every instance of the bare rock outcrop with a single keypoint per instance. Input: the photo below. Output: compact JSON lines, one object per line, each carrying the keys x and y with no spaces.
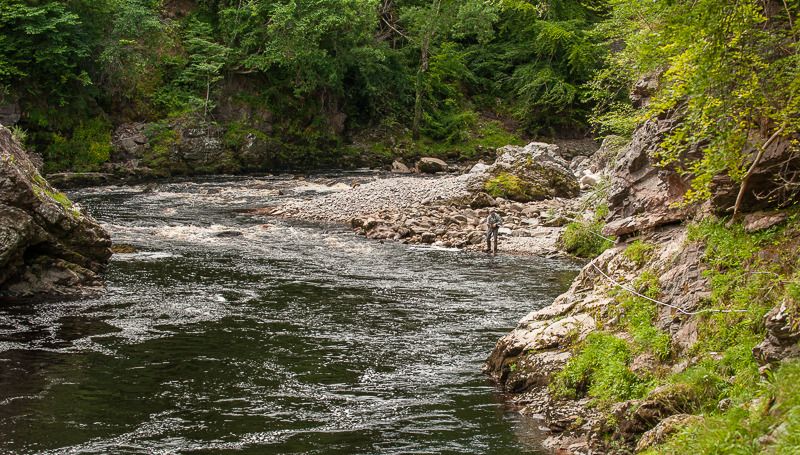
{"x":47,"y":246}
{"x":782,"y":336}
{"x":643,"y":196}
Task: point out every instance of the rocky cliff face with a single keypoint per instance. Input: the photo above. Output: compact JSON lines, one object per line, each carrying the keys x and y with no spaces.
{"x":642,"y":210}
{"x":47,"y":246}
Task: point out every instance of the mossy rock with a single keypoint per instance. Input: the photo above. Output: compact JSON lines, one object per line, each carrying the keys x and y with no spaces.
{"x":509,"y":186}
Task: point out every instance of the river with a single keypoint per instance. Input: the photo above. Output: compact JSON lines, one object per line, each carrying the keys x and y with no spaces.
{"x":226,"y":332}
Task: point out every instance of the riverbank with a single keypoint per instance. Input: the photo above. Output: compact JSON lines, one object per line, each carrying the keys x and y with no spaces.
{"x":450,"y":210}
{"x":681,"y":335}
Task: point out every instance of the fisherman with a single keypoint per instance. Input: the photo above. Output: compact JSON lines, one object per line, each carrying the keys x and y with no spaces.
{"x":493,"y":222}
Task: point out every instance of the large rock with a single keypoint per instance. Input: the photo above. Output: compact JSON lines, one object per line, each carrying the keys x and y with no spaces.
{"x":643,"y":196}
{"x":10,"y":111}
{"x":129,"y":142}
{"x":47,"y":246}
{"x":430,"y":165}
{"x":399,"y":168}
{"x":536,"y":172}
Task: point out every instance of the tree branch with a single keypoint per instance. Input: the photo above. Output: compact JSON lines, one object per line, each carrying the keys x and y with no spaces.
{"x":746,"y":178}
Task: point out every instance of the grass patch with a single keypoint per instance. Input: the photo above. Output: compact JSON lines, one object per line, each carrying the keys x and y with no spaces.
{"x":639,"y":252}
{"x":768,"y":423}
{"x":754,"y":272}
{"x":744,"y":275}
{"x":639,"y":314}
{"x":599,"y":369}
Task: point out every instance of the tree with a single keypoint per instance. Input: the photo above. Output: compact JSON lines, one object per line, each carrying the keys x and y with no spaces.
{"x":42,"y":46}
{"x":206,"y":60}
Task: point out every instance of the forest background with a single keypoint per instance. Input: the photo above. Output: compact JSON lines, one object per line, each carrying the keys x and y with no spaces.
{"x":321,"y":81}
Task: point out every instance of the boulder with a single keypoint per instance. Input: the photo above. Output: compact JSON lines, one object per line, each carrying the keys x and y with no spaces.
{"x":644,"y":89}
{"x":10,"y":111}
{"x":482,"y":200}
{"x":129,"y":142}
{"x":199,"y":144}
{"x":48,"y":247}
{"x":430,"y":165}
{"x":428,"y":237}
{"x":771,"y":184}
{"x":589,"y":180}
{"x":530,"y":173}
{"x":399,"y":168}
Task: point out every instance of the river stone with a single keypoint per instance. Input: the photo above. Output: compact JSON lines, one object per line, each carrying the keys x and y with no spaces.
{"x":767,"y":187}
{"x":428,"y":237}
{"x":482,"y":200}
{"x":430,"y":165}
{"x":399,"y":168}
{"x":47,"y":246}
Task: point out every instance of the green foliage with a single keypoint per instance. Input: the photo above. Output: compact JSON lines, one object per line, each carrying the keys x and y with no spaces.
{"x":599,"y":370}
{"x":733,"y":256}
{"x":729,"y":68}
{"x":755,"y":272}
{"x":86,"y":150}
{"x":772,"y":415}
{"x":585,"y":239}
{"x":639,"y":252}
{"x":638,"y":316}
{"x":42,"y":44}
{"x":19,"y":134}
{"x":553,"y":54}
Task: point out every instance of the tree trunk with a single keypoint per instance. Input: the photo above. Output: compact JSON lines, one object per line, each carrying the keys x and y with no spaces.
{"x":423,"y":67}
{"x":208,"y":95}
{"x":746,"y":178}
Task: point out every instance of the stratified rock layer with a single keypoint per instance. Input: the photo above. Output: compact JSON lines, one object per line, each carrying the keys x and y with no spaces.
{"x":47,"y":246}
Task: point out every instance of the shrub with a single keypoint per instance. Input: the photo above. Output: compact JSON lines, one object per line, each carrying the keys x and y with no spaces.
{"x":89,"y":146}
{"x":584,"y":239}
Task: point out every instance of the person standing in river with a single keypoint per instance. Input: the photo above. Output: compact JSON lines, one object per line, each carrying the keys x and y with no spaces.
{"x":493,"y":222}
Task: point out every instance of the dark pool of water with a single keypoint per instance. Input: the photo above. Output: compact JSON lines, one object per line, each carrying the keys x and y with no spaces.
{"x":227,"y":332}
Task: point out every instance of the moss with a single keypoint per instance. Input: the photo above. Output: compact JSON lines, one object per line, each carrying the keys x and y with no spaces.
{"x":42,"y":191}
{"x":509,"y":186}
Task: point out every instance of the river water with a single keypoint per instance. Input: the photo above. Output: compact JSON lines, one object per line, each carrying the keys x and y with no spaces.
{"x":230,"y":333}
